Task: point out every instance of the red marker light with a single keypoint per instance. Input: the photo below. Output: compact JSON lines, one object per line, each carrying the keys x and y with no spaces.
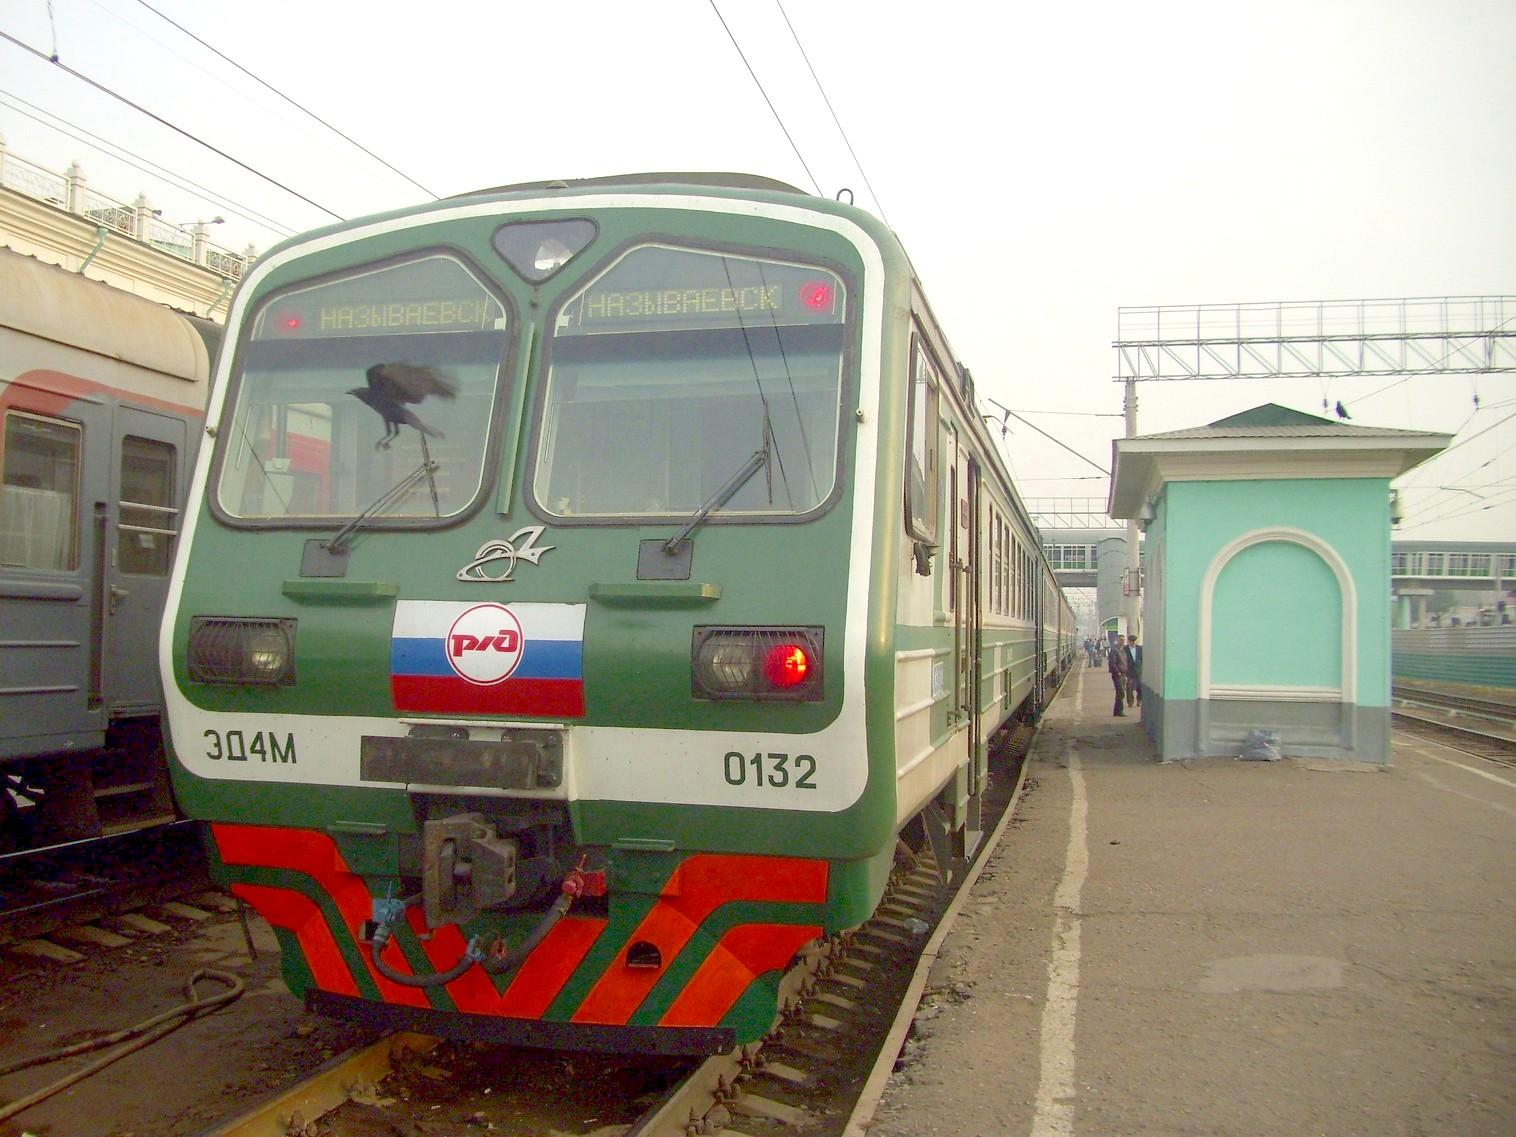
{"x":290,"y":322}
{"x":816,"y":295}
{"x":787,"y":665}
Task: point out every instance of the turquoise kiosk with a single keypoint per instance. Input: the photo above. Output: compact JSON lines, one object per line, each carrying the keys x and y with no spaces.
{"x":1266,"y":591}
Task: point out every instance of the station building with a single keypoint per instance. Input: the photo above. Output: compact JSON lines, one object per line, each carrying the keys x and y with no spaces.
{"x":1266,"y":590}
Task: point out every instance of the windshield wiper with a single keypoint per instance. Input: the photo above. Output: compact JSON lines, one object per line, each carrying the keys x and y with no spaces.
{"x":758,"y":461}
{"x":338,"y":543}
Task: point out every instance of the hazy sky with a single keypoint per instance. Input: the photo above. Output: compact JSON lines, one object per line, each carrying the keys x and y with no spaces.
{"x":1044,"y":165}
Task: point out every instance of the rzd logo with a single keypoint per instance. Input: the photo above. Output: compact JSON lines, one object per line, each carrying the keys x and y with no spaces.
{"x":484,"y":644}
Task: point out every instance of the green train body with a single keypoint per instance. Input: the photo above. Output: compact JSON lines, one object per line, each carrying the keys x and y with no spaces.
{"x":587,"y":586}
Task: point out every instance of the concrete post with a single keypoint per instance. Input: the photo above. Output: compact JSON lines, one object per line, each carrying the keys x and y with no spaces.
{"x":142,"y":216}
{"x":1133,"y":598}
{"x":74,"y":176}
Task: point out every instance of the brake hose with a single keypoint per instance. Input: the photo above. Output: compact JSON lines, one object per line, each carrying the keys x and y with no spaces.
{"x":388,"y":911}
{"x":505,"y":964}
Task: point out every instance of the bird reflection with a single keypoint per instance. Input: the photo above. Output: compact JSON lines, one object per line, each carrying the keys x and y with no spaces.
{"x":392,"y":385}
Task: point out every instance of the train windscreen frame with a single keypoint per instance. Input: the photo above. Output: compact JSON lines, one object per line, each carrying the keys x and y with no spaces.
{"x":675,"y":366}
{"x":380,"y":377}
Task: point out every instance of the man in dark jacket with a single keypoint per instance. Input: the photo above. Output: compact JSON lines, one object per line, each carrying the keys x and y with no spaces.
{"x":1120,"y":668}
{"x":1134,"y":671}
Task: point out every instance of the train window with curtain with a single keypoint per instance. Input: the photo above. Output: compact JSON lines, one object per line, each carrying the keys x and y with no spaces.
{"x":1002,"y":532}
{"x":678,"y":374}
{"x":39,"y":493}
{"x":921,"y":448}
{"x":1016,"y":579}
{"x":993,"y":581}
{"x":148,"y":520}
{"x":377,"y":386}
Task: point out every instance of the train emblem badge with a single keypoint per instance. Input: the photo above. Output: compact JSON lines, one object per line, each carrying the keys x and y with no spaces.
{"x":451,"y":657}
{"x":519,"y":546}
{"x":484,"y":644}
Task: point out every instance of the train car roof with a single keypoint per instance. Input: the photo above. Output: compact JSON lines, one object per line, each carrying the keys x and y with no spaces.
{"x":52,"y":303}
{"x":663,"y":178}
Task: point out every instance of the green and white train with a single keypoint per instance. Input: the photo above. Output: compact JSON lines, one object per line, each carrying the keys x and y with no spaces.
{"x":587,"y":586}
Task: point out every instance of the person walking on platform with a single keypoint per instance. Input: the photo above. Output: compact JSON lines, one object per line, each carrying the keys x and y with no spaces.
{"x":1119,"y":665}
{"x":1089,"y":652}
{"x":1133,"y":672}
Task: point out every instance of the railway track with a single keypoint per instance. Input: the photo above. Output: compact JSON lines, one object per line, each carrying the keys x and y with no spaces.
{"x":848,"y":1006}
{"x":1480,"y":728}
{"x":43,"y":890}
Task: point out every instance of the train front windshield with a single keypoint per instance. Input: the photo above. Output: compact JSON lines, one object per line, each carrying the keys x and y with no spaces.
{"x":673,"y":368}
{"x":349,"y":387}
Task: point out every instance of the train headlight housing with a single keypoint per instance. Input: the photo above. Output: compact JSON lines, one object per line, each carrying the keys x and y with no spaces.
{"x":236,"y":650}
{"x":757,"y":663}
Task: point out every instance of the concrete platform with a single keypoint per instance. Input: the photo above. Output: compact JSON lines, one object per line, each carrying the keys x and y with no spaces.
{"x":1227,"y":948}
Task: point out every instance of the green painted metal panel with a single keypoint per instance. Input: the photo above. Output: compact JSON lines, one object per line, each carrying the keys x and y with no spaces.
{"x":1467,"y":670}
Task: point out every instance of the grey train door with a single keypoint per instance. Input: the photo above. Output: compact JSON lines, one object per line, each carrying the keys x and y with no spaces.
{"x":147,"y":464}
{"x":54,"y":472}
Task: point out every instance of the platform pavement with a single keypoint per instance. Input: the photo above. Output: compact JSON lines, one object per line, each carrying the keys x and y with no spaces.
{"x":1226,"y":948}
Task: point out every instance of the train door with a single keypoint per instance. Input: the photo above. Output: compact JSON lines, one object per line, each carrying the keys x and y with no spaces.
{"x":955,"y":575}
{"x":1039,"y":637}
{"x":51,"y":471}
{"x":964,"y":557}
{"x":973,"y":622}
{"x":146,"y":468}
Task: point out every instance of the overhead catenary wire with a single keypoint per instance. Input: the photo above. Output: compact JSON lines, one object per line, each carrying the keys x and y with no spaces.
{"x":845,"y":140}
{"x":138,"y":162}
{"x":1456,"y":445}
{"x":292,"y":102}
{"x":1452,"y":507}
{"x":1081,"y":414}
{"x":772,"y":109}
{"x":1503,"y":500}
{"x":1050,"y":438}
{"x":103,"y":89}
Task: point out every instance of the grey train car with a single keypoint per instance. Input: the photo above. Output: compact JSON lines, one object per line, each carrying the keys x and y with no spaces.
{"x":102,"y":398}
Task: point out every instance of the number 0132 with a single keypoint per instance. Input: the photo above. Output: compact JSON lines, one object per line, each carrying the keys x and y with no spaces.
{"x":797,"y":771}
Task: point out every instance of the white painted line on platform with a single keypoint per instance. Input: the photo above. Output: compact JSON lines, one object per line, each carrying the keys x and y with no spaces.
{"x":1460,"y":765}
{"x":1054,"y":1111}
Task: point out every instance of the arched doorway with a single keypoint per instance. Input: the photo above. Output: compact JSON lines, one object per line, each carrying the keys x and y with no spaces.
{"x":1278,"y":644}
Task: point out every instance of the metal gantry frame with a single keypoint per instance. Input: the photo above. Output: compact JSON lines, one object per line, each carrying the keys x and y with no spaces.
{"x":1442,"y":335}
{"x":1312,"y":339}
{"x":1069,"y":513}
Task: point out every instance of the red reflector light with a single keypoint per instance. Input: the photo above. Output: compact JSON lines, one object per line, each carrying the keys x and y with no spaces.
{"x":735,"y":662}
{"x":787,"y":665}
{"x":816,"y":295}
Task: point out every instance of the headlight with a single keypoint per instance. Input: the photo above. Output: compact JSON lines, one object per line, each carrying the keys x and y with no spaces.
{"x":757,"y":663}
{"x":239,"y":650}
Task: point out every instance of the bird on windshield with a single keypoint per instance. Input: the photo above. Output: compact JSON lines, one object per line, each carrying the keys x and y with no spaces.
{"x":393,"y":385}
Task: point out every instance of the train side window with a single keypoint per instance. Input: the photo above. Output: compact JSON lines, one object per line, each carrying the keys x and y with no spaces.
{"x":1005,"y":570}
{"x":148,"y":519}
{"x":921,"y":465}
{"x":39,"y":493}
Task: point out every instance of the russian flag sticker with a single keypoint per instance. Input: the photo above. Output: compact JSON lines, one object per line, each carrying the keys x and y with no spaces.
{"x":486,"y":658}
